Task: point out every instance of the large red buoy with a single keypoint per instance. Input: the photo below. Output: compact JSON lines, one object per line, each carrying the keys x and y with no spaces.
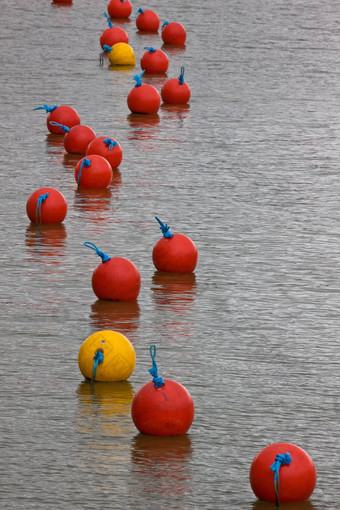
{"x":176,"y":91}
{"x":115,"y":278}
{"x":143,"y":98}
{"x":93,"y":172}
{"x":108,"y":148}
{"x":173,"y":33}
{"x":154,"y":61}
{"x":162,"y":407}
{"x":174,"y":253}
{"x":147,"y":20}
{"x":119,"y":8}
{"x":46,"y":205}
{"x":63,"y":114}
{"x":77,"y":138}
{"x":113,"y":35}
{"x":282,"y":473}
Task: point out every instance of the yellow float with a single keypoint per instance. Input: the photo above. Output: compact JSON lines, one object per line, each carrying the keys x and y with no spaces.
{"x":120,"y":54}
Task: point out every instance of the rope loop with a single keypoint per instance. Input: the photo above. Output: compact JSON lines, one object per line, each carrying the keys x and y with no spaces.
{"x":106,"y":48}
{"x":164,"y":24}
{"x":280,"y":460}
{"x":140,"y":11}
{"x":41,"y":199}
{"x":110,"y":143}
{"x":47,"y":108}
{"x":64,"y":128}
{"x":164,"y":228}
{"x":138,"y":79}
{"x":108,"y":19}
{"x":101,"y":254}
{"x":98,"y":360}
{"x":181,"y":76}
{"x":150,"y":50}
{"x":86,"y":162}
{"x":157,"y":380}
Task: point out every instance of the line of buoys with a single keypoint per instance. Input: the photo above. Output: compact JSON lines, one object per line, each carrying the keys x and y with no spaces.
{"x":113,"y":35}
{"x":176,"y":91}
{"x":119,"y":8}
{"x":63,"y":114}
{"x":108,"y":148}
{"x":76,"y":138}
{"x":154,"y":61}
{"x":173,"y":33}
{"x":46,"y":205}
{"x":143,"y":98}
{"x":120,"y":54}
{"x":93,"y":171}
{"x":147,"y":20}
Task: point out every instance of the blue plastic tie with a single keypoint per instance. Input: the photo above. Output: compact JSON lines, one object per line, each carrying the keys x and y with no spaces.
{"x":138,"y":79}
{"x":101,"y":254}
{"x":85,"y":162}
{"x":181,"y":76}
{"x":164,"y":24}
{"x":98,"y":360}
{"x":110,"y":143}
{"x":151,"y":49}
{"x":164,"y":228}
{"x":41,"y":199}
{"x":108,"y":19}
{"x":157,"y":381}
{"x":47,"y":108}
{"x":280,"y":460}
{"x":64,"y":128}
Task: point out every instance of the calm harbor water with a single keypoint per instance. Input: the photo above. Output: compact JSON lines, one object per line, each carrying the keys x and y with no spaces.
{"x":250,"y":171}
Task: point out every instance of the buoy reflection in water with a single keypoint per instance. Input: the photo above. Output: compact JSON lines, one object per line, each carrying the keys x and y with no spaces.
{"x":122,"y":316}
{"x":46,"y":243}
{"x":297,"y":505}
{"x":94,"y":204}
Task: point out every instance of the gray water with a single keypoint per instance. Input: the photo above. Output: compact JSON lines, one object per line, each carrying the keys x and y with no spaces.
{"x":250,"y":171}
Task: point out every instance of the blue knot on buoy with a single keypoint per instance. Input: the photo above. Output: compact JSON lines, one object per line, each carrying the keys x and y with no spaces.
{"x":108,"y":19}
{"x":280,"y":460}
{"x":101,"y":254}
{"x":48,"y":109}
{"x":140,"y":11}
{"x":41,"y":199}
{"x":85,"y":162}
{"x":164,"y":24}
{"x":164,"y":228}
{"x":151,"y":49}
{"x":157,"y":380}
{"x":138,"y":79}
{"x":110,"y":143}
{"x":64,"y":128}
{"x":98,"y":360}
{"x":181,"y":76}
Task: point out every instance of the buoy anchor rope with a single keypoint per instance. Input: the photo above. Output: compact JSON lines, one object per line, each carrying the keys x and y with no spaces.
{"x":41,"y":199}
{"x":157,"y":380}
{"x":164,"y":228}
{"x":101,"y":254}
{"x":98,"y":360}
{"x":281,"y":459}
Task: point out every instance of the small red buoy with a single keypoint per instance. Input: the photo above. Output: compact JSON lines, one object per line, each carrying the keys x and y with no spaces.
{"x":93,"y":172}
{"x":154,"y":61}
{"x":115,"y":278}
{"x":113,"y":35}
{"x":162,"y":407}
{"x":119,"y":8}
{"x":62,"y":1}
{"x":176,"y":91}
{"x":282,"y":477}
{"x":174,"y":253}
{"x":63,"y":114}
{"x":147,"y":20}
{"x":173,"y":33}
{"x":108,"y":148}
{"x":77,"y":138}
{"x":143,"y":98}
{"x":46,"y":205}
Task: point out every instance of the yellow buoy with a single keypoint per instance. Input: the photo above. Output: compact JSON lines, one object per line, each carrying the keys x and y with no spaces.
{"x":122,"y":54}
{"x":107,"y":356}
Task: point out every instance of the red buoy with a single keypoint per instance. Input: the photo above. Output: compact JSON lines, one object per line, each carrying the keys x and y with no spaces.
{"x":143,"y":98}
{"x":174,"y":253}
{"x":282,"y":477}
{"x":77,"y":138}
{"x":113,"y":35}
{"x":173,"y":33}
{"x":115,"y":278}
{"x":147,"y":20}
{"x":119,"y":8}
{"x":46,"y":205}
{"x":63,"y":114}
{"x":154,"y":61}
{"x":176,"y":91}
{"x":93,"y":172}
{"x":108,"y":148}
{"x":162,"y":407}
{"x":62,"y":1}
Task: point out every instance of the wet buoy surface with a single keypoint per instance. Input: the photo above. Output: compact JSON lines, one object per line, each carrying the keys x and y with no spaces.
{"x":176,"y":91}
{"x":113,"y":35}
{"x":119,"y":8}
{"x":77,"y":138}
{"x":63,"y":114}
{"x":114,"y":353}
{"x":143,"y":98}
{"x":46,"y":205}
{"x":120,"y":54}
{"x":93,"y":171}
{"x":147,"y":20}
{"x":108,"y":148}
{"x":173,"y":33}
{"x":154,"y":61}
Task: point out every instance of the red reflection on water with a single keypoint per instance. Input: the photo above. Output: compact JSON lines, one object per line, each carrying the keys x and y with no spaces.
{"x":71,"y":160}
{"x":53,"y":140}
{"x":144,"y":127}
{"x":46,"y":243}
{"x":122,"y":316}
{"x":297,"y":505}
{"x":175,"y":290}
{"x":173,"y":49}
{"x":95,"y":204}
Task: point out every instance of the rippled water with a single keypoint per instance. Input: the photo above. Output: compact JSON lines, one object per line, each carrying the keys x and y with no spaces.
{"x":250,"y":171}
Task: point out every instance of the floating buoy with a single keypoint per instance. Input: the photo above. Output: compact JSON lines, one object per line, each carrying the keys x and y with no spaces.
{"x":173,"y":33}
{"x":46,"y":205}
{"x":174,"y":253}
{"x":106,"y":356}
{"x":154,"y":61}
{"x":93,"y":172}
{"x":282,"y":473}
{"x":119,"y":8}
{"x":63,"y":114}
{"x":120,"y":54}
{"x":62,"y":1}
{"x":176,"y":91}
{"x":147,"y":20}
{"x":115,"y":278}
{"x":143,"y":98}
{"x":108,"y":148}
{"x":76,"y":138}
{"x":113,"y":35}
{"x":162,"y":407}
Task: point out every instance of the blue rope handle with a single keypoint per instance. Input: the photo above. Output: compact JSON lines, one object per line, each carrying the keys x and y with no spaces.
{"x":138,"y":79}
{"x":101,"y":254}
{"x":164,"y":228}
{"x":140,"y":11}
{"x":86,"y":162}
{"x":157,"y":380}
{"x":98,"y":360}
{"x":47,"y":108}
{"x":181,"y":76}
{"x":165,"y":24}
{"x":64,"y":128}
{"x":108,"y":19}
{"x":150,"y":49}
{"x":280,"y":460}
{"x":110,"y":143}
{"x":41,"y":199}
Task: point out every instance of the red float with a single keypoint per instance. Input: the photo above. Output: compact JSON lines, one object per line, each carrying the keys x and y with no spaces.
{"x":115,"y":279}
{"x":63,"y":114}
{"x":93,"y":172}
{"x":173,"y":33}
{"x":154,"y":61}
{"x":176,"y":91}
{"x":174,"y":253}
{"x":108,"y":148}
{"x":119,"y":8}
{"x":113,"y":35}
{"x":143,"y":98}
{"x":162,"y":407}
{"x":282,"y":477}
{"x":62,"y":1}
{"x":77,"y":138}
{"x":147,"y":20}
{"x":46,"y":205}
